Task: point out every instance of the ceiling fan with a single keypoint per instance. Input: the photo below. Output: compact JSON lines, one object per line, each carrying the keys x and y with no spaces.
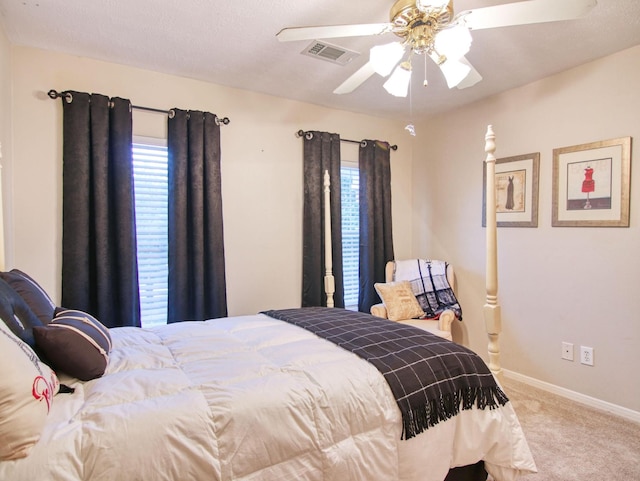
{"x":431,"y":28}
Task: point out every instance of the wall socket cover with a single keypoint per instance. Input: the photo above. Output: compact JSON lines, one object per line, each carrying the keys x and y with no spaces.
{"x":586,"y":355}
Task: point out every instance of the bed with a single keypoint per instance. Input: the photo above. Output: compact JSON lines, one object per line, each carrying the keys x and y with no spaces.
{"x":258,"y":397}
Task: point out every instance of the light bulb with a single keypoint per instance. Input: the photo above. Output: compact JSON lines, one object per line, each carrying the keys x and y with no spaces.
{"x":425,"y":5}
{"x":384,"y":57}
{"x":398,"y":84}
{"x":454,"y":72}
{"x":453,"y":42}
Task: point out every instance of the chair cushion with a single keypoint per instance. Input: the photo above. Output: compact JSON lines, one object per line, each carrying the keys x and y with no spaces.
{"x":399,"y":300}
{"x":429,"y":325}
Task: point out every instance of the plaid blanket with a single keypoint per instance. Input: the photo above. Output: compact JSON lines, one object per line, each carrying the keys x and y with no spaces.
{"x":431,"y":378}
{"x":428,"y":279}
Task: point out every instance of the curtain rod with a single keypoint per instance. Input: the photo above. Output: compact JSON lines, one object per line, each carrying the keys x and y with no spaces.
{"x":301,"y":133}
{"x":53,"y":94}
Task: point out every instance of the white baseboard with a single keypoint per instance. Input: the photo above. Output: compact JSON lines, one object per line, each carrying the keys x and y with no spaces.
{"x":575,"y":396}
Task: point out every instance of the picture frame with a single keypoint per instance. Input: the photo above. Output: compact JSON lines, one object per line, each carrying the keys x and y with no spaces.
{"x":516,"y":191}
{"x":591,"y":184}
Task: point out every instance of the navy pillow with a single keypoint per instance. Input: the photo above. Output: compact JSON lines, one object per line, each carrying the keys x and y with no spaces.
{"x":76,"y":343}
{"x":35,"y":296}
{"x":16,"y":314}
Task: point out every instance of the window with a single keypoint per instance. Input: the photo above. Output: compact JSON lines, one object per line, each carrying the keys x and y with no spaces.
{"x":150,"y":177}
{"x":349,"y":184}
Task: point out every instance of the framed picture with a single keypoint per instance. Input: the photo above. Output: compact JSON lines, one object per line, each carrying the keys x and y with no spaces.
{"x":591,"y":184}
{"x":516,"y":191}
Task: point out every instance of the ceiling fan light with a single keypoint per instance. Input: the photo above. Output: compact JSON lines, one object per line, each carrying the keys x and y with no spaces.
{"x":453,"y":42}
{"x":384,"y":57}
{"x":454,"y":72}
{"x":425,"y":5}
{"x":398,"y":84}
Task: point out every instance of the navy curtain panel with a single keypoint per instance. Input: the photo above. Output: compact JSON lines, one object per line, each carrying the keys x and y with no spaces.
{"x":321,"y":152}
{"x":376,"y":239}
{"x":197,"y":282}
{"x":99,"y":263}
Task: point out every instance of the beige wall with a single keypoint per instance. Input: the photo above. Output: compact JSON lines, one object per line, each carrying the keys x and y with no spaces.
{"x":5,"y":129}
{"x":556,"y":283}
{"x":261,"y":168}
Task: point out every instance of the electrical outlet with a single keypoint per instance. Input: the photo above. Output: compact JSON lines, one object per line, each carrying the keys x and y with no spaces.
{"x":567,"y":351}
{"x":586,"y":355}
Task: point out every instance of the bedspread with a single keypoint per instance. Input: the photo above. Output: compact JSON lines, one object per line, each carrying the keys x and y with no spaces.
{"x":431,"y":378}
{"x":252,"y":398}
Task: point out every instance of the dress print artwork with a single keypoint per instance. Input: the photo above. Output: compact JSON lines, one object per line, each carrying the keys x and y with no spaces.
{"x":516,"y":191}
{"x":589,"y":184}
{"x":510,"y":191}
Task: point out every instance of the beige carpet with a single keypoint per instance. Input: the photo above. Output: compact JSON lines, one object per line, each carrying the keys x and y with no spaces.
{"x":573,"y":442}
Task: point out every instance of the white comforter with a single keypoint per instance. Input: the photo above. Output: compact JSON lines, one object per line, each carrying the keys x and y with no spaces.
{"x":252,"y":398}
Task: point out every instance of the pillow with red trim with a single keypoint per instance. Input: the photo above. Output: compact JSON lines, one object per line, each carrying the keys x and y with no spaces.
{"x":27,"y":387}
{"x":75,"y":343}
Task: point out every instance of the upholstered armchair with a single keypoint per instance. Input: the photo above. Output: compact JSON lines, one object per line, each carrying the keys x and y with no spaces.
{"x":420,"y":293}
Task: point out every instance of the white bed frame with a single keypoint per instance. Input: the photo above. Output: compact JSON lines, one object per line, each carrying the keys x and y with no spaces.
{"x":492,"y":317}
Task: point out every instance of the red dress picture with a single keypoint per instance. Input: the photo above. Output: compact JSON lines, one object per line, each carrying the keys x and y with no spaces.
{"x":588,"y":185}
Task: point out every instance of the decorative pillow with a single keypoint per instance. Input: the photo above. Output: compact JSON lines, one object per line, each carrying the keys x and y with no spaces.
{"x":16,"y":314}
{"x":75,"y":343}
{"x":27,"y":387}
{"x":34,"y":295}
{"x":399,"y":300}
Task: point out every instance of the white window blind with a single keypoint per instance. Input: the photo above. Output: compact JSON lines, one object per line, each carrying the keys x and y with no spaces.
{"x":350,"y":182}
{"x":150,"y":177}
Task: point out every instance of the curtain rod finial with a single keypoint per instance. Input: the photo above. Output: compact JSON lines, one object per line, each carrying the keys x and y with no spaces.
{"x":54,"y":94}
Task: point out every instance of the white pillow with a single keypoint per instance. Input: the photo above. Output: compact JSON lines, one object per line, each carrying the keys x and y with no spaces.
{"x":27,"y":387}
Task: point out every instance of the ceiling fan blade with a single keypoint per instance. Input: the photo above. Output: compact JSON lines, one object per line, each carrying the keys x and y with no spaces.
{"x":521,"y":13}
{"x":333,"y":31}
{"x":472,"y":78}
{"x":356,"y":79}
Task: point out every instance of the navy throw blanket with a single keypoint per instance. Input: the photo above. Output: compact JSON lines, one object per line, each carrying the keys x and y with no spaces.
{"x":431,"y":378}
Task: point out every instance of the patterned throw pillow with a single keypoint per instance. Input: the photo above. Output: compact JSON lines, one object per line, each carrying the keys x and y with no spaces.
{"x":75,"y":343}
{"x":399,"y":300}
{"x":27,"y":387}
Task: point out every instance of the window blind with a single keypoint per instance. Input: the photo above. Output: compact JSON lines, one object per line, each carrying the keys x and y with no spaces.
{"x":350,"y":182}
{"x":150,"y":177}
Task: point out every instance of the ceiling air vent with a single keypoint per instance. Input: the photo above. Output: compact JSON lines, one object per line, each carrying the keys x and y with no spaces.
{"x":330,"y":53}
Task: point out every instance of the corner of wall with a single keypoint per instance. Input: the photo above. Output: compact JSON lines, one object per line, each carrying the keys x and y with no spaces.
{"x":5,"y":142}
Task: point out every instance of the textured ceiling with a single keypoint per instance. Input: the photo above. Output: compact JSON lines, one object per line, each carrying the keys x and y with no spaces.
{"x":233,"y":43}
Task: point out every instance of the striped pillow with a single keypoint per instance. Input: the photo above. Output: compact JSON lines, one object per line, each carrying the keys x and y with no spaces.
{"x":75,"y":343}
